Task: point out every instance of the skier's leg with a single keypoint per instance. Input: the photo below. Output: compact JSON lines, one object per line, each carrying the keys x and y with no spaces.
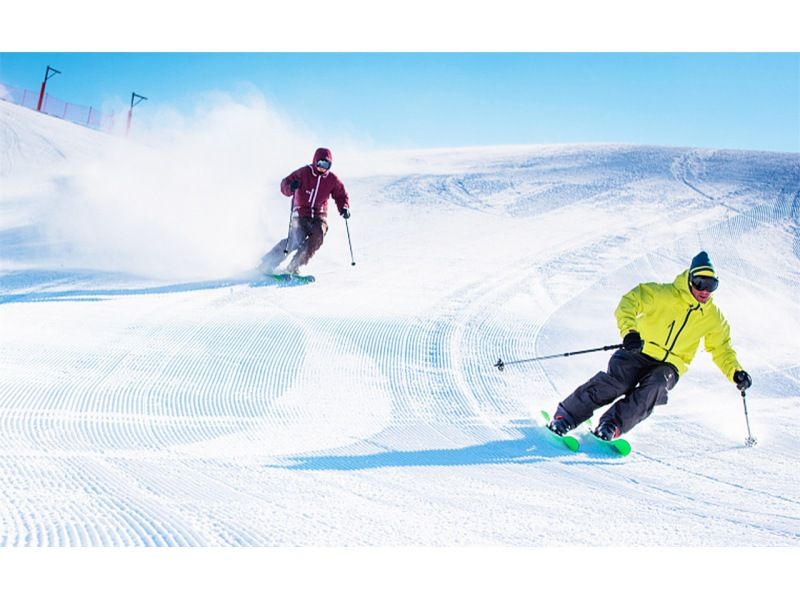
{"x":316,"y":230}
{"x":603,"y":388}
{"x":300,"y":232}
{"x":639,"y":403}
{"x":272,"y":259}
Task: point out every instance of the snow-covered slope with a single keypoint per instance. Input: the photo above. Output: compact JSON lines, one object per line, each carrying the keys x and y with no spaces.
{"x":147,"y":403}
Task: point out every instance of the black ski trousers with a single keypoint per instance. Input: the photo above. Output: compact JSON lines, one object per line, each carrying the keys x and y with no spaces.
{"x":640,"y":379}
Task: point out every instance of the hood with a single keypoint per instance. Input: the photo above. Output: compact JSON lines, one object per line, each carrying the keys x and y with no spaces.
{"x":322,"y":153}
{"x":681,"y":284}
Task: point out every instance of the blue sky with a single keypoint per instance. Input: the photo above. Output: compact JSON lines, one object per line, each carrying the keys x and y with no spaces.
{"x":418,"y":100}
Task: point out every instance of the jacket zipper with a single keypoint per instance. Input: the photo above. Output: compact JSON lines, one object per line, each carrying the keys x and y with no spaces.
{"x":669,"y":334}
{"x":315,"y":193}
{"x":685,"y":320}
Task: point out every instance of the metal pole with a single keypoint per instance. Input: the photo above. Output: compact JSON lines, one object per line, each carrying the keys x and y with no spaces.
{"x":750,"y":440}
{"x":47,"y":74}
{"x":135,"y":99}
{"x":289,"y":232}
{"x":347,"y":226}
{"x":501,"y":364}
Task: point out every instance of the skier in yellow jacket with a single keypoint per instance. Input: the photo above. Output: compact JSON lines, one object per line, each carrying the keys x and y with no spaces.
{"x":661,"y":326}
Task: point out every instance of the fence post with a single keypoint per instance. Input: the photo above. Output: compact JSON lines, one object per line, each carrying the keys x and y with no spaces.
{"x":47,"y":75}
{"x":137,"y":98}
{"x":41,"y":96}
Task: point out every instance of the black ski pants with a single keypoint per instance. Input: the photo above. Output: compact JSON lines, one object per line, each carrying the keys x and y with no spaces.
{"x":642,"y":381}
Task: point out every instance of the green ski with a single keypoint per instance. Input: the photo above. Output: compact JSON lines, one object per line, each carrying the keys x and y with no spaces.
{"x":293,"y":278}
{"x":619,"y":445}
{"x":569,"y":441}
{"x":286,"y":280}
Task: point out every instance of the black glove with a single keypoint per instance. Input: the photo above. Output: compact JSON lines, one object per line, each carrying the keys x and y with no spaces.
{"x":294,"y":185}
{"x":742,"y":379}
{"x":633,"y":342}
{"x":345,"y":212}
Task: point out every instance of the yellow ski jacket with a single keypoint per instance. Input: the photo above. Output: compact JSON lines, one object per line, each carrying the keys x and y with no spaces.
{"x":672,"y":322}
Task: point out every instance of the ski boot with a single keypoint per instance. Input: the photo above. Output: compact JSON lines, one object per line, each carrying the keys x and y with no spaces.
{"x":559,"y":425}
{"x":607,"y":430}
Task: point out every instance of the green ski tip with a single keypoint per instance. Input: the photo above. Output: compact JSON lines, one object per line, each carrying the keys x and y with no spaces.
{"x":623,"y":446}
{"x":570,"y":442}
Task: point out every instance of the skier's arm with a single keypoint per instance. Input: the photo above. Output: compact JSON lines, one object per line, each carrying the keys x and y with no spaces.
{"x":287,"y":188}
{"x":340,"y":196}
{"x":718,"y":343}
{"x":631,"y":307}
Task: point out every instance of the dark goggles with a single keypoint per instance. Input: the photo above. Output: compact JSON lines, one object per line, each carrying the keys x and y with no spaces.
{"x":326,"y":164}
{"x":705,"y":283}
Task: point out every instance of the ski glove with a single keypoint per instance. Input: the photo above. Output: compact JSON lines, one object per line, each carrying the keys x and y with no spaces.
{"x":742,"y":379}
{"x":294,"y":185}
{"x":345,"y":212}
{"x":632,"y":342}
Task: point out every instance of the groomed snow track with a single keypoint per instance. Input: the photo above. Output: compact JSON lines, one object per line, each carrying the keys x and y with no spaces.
{"x":364,"y":409}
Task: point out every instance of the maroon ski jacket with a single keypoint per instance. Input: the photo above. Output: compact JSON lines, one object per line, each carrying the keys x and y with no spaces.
{"x":314,"y":190}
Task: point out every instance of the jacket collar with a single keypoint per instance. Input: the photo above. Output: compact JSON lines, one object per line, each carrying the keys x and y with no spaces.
{"x":315,"y":173}
{"x":681,"y":284}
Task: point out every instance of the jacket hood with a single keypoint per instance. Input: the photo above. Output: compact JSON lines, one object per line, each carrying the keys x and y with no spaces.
{"x":681,"y":283}
{"x":322,"y":153}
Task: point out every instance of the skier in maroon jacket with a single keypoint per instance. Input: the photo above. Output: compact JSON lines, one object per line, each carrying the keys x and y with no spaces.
{"x":310,"y":187}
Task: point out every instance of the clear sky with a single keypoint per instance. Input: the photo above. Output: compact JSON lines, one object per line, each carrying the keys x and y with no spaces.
{"x":438,"y":73}
{"x":407,"y":100}
{"x":401,"y":100}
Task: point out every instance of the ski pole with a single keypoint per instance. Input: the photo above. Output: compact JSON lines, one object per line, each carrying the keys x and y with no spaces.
{"x":749,"y":441}
{"x":502,"y":364}
{"x":347,"y":226}
{"x":289,"y":232}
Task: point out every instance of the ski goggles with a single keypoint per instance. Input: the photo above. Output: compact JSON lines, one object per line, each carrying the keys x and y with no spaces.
{"x":326,"y":164}
{"x":705,"y":283}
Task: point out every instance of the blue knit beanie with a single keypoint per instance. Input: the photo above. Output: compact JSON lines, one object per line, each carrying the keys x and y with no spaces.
{"x":702,"y":266}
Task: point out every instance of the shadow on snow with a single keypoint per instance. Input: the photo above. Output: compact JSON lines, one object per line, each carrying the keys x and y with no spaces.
{"x":534,"y":445}
{"x":21,"y":282}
